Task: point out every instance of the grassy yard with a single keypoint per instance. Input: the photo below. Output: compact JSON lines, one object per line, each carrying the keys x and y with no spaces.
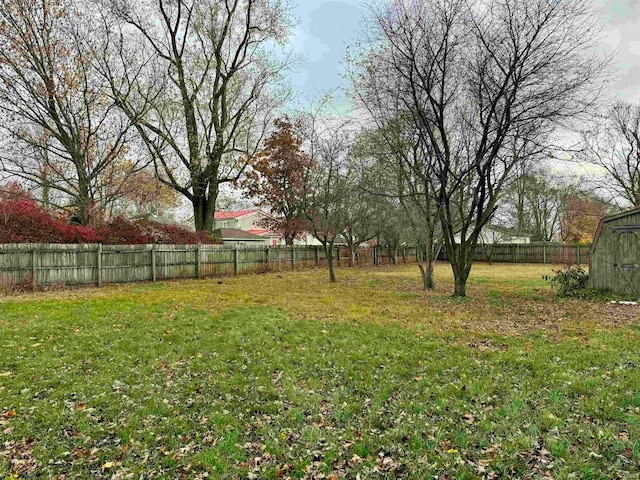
{"x":287,"y":376}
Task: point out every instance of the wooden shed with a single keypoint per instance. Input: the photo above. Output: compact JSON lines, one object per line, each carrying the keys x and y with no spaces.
{"x":615,"y":254}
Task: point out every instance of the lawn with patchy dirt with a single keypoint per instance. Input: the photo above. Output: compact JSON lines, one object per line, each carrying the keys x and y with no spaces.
{"x":288,"y":376}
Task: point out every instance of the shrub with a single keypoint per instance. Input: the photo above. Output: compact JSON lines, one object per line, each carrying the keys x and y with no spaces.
{"x":571,"y":281}
{"x":174,"y":234}
{"x":123,"y":231}
{"x":22,"y":220}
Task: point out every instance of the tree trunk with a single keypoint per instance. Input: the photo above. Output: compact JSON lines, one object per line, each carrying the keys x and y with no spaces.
{"x":426,"y":261}
{"x":198,"y":216}
{"x":461,"y":270}
{"x":460,"y":286}
{"x":488,"y":252}
{"x":203,"y":211}
{"x":460,"y":256}
{"x":352,"y":255}
{"x":83,"y":202}
{"x":426,"y":272}
{"x":393,"y":253}
{"x":328,"y":252}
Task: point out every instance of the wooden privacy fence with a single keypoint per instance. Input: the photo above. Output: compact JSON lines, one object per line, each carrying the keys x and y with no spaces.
{"x":85,"y":264}
{"x":533,"y":253}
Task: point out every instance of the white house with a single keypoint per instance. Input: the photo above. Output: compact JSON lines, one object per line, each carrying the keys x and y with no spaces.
{"x":494,"y":234}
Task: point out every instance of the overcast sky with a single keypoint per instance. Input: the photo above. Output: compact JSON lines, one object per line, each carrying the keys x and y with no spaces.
{"x":327,"y":26}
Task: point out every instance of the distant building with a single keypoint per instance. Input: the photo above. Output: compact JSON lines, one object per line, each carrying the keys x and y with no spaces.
{"x":495,"y":234}
{"x":163,"y":219}
{"x":235,"y":236}
{"x":250,"y":221}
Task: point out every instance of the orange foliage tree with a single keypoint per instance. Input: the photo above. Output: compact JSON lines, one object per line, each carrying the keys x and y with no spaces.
{"x":276,"y":179}
{"x":134,"y":192}
{"x":581,"y":220}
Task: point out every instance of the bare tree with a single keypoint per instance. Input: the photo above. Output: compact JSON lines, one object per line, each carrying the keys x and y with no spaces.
{"x":402,"y":169}
{"x":364,"y":211}
{"x":66,"y":133}
{"x":197,"y":81}
{"x":328,"y":142}
{"x":482,"y":83}
{"x":536,"y":200}
{"x":613,"y":145}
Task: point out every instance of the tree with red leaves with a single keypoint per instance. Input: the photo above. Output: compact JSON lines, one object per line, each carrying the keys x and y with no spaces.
{"x":581,"y":219}
{"x":276,"y":178}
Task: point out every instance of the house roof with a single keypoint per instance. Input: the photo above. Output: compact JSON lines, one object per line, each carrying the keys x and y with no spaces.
{"x":236,"y":234}
{"x":261,"y":231}
{"x":229,"y":215}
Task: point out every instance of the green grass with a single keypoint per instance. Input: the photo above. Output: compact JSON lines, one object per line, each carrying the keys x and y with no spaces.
{"x":185,"y":379}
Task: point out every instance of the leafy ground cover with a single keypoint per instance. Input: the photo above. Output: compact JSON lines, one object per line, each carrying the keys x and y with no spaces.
{"x":286,"y":376}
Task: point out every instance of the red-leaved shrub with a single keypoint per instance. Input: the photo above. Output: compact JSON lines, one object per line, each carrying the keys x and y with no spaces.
{"x":121,"y":231}
{"x":124,"y":231}
{"x":22,"y":220}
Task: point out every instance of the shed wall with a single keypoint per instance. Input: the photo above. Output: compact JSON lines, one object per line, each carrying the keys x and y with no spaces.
{"x":615,"y":257}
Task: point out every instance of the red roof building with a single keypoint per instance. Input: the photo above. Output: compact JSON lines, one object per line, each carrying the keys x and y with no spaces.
{"x":232,"y":215}
{"x":250,"y":221}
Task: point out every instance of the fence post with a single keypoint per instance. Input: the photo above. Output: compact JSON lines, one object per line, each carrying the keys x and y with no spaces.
{"x":544,"y":252}
{"x":316,"y":254}
{"x":34,"y":269}
{"x":267,"y":258}
{"x":578,"y":253}
{"x":375,"y":255}
{"x":154,"y":273}
{"x":99,"y":265}
{"x":293,"y":257}
{"x":404,"y":254}
{"x":236,"y":262}
{"x":198,"y":262}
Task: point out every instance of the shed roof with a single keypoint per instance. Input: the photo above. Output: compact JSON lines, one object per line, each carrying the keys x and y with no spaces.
{"x":621,"y":214}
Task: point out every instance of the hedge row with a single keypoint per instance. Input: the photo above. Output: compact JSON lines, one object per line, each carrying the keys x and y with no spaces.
{"x":22,"y":220}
